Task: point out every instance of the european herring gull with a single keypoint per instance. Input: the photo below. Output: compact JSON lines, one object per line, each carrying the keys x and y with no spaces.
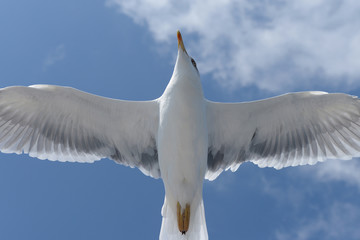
{"x":180,"y":137}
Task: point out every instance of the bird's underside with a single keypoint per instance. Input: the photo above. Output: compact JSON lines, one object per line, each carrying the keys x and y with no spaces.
{"x":180,"y":137}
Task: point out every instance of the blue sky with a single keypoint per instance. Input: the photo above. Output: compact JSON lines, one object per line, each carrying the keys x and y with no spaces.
{"x":126,"y":49}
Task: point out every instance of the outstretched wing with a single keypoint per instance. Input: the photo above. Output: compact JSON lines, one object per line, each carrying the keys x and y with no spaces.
{"x":65,"y":124}
{"x":288,"y":130}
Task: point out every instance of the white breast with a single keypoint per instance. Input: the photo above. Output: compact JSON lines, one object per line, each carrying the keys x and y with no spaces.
{"x":182,"y":140}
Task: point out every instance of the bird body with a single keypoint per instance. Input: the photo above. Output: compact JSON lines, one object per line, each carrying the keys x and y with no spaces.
{"x":182,"y":126}
{"x":180,"y":137}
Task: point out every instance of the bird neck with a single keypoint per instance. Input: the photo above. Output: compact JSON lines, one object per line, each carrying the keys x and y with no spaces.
{"x":186,"y":84}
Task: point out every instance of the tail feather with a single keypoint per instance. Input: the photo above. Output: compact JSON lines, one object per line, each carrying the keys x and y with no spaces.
{"x":169,"y":228}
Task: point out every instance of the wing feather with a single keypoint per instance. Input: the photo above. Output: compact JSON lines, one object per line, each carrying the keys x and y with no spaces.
{"x":288,"y":130}
{"x":65,"y":124}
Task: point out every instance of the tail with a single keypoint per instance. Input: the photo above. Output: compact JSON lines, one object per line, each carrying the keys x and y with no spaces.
{"x":169,"y":227}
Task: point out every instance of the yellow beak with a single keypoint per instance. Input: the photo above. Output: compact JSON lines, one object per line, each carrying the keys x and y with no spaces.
{"x":180,"y":42}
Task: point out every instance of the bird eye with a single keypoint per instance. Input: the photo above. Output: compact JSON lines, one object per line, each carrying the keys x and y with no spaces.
{"x":193,"y":62}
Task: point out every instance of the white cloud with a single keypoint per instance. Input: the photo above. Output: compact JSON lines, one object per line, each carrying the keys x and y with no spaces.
{"x":314,"y":217}
{"x":54,"y":56}
{"x":276,"y":45}
{"x":334,"y":223}
{"x":348,"y":172}
{"x":284,"y":193}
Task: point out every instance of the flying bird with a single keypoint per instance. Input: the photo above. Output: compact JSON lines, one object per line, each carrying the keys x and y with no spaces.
{"x":181,"y":137}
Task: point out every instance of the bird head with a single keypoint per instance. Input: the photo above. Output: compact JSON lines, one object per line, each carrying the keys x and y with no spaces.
{"x":184,"y":62}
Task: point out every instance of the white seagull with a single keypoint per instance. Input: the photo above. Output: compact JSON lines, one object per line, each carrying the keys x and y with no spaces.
{"x":180,"y":137}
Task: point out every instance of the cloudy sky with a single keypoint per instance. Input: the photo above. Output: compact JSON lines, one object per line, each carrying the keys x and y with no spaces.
{"x":246,"y":50}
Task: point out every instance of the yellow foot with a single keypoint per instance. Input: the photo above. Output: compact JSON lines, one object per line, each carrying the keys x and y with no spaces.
{"x":183,"y":218}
